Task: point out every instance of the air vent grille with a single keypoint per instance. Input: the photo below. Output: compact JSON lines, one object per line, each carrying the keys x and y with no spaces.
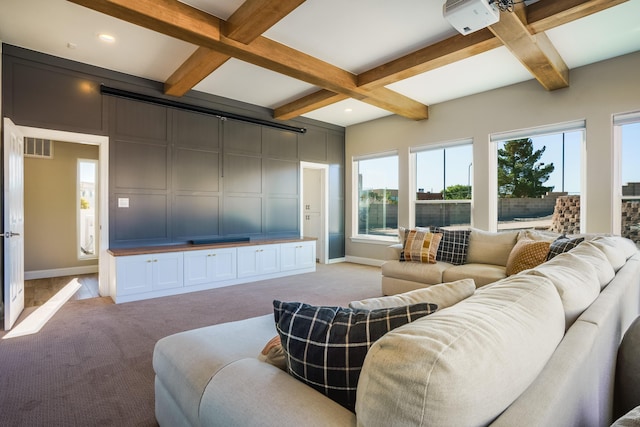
{"x":38,"y":147}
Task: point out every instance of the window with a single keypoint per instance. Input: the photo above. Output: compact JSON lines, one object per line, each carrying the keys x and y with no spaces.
{"x":539,"y":174}
{"x":377,"y":195}
{"x":627,"y":131}
{"x":443,"y":185}
{"x":87,"y":178}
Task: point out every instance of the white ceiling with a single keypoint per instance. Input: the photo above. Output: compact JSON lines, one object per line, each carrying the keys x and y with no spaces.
{"x":355,"y":35}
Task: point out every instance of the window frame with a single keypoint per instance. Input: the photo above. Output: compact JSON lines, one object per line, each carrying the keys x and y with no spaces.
{"x":355,"y":233}
{"x":96,"y":231}
{"x":545,"y":130}
{"x":618,"y":121}
{"x":413,"y":185}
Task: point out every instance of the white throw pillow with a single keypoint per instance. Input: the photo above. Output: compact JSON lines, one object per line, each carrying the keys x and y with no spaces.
{"x":486,"y":247}
{"x":443,"y":294}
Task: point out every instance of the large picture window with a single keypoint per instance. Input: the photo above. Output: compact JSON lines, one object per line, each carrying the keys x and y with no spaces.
{"x":377,"y":195}
{"x":628,"y":136}
{"x":538,"y":176}
{"x":443,"y":185}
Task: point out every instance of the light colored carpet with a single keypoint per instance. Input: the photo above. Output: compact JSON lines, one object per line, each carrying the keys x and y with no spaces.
{"x":90,"y":365}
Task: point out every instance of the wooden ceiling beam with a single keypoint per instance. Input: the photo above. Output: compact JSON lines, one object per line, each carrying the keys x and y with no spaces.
{"x":542,"y":16}
{"x":535,"y":52}
{"x":545,"y":15}
{"x":254,"y":17}
{"x":249,"y":21}
{"x":189,"y":24}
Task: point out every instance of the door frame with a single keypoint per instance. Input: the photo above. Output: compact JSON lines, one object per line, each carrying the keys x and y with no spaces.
{"x":103,"y":188}
{"x":323,"y":257}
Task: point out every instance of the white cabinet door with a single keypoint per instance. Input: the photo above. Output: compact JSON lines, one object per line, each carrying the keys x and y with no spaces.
{"x":167,"y":271}
{"x":134,"y":274}
{"x":256,"y":260}
{"x":297,"y":255}
{"x":138,"y":274}
{"x":209,"y":265}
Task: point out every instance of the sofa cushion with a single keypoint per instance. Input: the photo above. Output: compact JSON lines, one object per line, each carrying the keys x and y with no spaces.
{"x":326,"y":346}
{"x":589,"y":252}
{"x":575,"y":279}
{"x":617,"y":249}
{"x":185,"y":362}
{"x":563,"y":244}
{"x":420,"y":245}
{"x":443,"y":295}
{"x":453,"y":246}
{"x":490,"y":248}
{"x":526,"y":254}
{"x":482,"y":274}
{"x":466,"y":364}
{"x":429,"y":274}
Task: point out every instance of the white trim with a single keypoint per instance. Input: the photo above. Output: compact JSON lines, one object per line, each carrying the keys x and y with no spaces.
{"x":102,"y":222}
{"x":365,"y":261}
{"x":59,"y":272}
{"x":337,"y":260}
{"x":324,"y":197}
{"x":373,"y":156}
{"x":380,"y":240}
{"x":539,"y":131}
{"x":626,"y":118}
{"x":440,"y":145}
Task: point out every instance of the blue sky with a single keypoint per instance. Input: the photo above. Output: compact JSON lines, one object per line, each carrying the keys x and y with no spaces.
{"x":381,"y":173}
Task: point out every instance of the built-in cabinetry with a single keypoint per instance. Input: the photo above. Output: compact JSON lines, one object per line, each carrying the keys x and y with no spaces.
{"x":136,"y":275}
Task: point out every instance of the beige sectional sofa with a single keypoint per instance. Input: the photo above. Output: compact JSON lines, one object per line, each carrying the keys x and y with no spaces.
{"x":486,"y":260}
{"x":537,"y":348}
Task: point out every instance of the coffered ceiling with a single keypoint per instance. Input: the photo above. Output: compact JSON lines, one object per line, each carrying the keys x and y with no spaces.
{"x":343,"y":62}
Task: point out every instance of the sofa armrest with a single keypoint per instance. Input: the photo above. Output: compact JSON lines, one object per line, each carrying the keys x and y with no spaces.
{"x":393,"y":252}
{"x":251,"y":392}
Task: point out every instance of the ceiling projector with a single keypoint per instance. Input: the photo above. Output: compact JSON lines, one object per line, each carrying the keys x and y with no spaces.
{"x":468,"y":16}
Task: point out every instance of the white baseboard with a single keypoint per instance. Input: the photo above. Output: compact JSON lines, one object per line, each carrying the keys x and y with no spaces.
{"x":336,"y":260}
{"x":58,"y":272}
{"x":365,"y":261}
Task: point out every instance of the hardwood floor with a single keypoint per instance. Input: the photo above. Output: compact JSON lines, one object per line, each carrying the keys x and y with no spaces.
{"x":38,"y":291}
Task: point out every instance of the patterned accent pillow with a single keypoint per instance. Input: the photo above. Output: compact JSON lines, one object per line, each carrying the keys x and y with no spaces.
{"x":325,"y":347}
{"x":563,"y":244}
{"x":527,"y":254}
{"x":419,"y":245}
{"x":453,"y":246}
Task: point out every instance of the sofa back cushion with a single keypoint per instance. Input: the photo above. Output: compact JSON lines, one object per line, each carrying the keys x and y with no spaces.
{"x":443,"y":295}
{"x":617,"y":249}
{"x":466,"y":364}
{"x":575,"y":279}
{"x":590,"y":253}
{"x":487,"y":247}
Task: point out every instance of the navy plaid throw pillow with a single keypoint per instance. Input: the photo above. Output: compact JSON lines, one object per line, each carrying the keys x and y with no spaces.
{"x":325,"y":347}
{"x":453,"y":246}
{"x":563,"y":244}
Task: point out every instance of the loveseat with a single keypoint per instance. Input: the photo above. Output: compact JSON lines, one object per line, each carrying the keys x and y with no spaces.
{"x":536,"y":348}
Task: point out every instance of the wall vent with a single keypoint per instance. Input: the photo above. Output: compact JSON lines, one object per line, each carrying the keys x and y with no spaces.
{"x":38,"y":147}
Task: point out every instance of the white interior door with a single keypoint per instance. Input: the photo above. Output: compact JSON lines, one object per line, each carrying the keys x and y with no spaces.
{"x":315,"y":203}
{"x":13,"y":223}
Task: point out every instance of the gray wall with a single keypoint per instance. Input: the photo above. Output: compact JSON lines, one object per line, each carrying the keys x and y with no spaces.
{"x":186,"y":175}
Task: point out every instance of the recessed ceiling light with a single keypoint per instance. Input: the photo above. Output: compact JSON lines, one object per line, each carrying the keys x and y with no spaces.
{"x":348,"y":110}
{"x":107,"y":38}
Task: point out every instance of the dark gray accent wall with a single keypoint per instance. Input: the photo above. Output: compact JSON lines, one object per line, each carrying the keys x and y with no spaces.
{"x":183,"y":175}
